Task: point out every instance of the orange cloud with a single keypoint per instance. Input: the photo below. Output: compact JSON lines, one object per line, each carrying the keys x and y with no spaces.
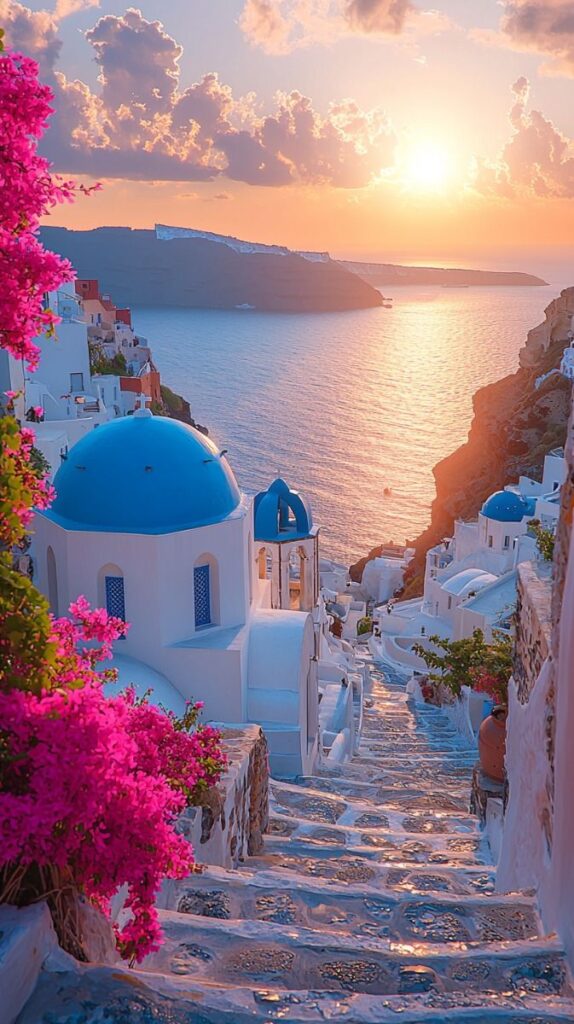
{"x":538,"y":160}
{"x":139,"y":125}
{"x":545,"y":27}
{"x":281,"y":26}
{"x":64,"y":8}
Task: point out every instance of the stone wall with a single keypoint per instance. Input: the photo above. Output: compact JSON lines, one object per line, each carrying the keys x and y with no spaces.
{"x":528,"y":858}
{"x":231,"y":823}
{"x":533,"y":624}
{"x":561,"y":552}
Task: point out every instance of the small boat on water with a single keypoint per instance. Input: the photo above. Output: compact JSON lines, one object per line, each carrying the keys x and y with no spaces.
{"x":245,"y":305}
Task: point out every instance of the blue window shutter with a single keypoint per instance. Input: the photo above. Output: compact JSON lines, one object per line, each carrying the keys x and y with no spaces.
{"x":202,"y":597}
{"x":115,"y":600}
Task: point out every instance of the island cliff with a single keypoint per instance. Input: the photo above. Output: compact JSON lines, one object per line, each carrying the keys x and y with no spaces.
{"x":515,"y":424}
{"x":382,"y":274}
{"x":200,"y":272}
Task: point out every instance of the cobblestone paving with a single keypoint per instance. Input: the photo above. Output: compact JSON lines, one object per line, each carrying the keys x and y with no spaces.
{"x":374,"y":898}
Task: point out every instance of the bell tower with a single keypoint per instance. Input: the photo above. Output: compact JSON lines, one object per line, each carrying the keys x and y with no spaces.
{"x":287,"y":547}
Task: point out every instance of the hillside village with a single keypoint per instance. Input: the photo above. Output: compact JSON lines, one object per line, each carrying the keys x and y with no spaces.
{"x":240,"y":784}
{"x":345,"y":808}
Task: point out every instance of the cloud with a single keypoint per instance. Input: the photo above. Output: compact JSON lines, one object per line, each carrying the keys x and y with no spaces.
{"x":537,"y":160}
{"x":545,"y":27}
{"x":65,"y":8}
{"x":139,"y":125}
{"x":138,"y":61}
{"x":31,"y":32}
{"x":346,"y":148}
{"x":377,"y":15}
{"x":280,"y":26}
{"x":263,"y":23}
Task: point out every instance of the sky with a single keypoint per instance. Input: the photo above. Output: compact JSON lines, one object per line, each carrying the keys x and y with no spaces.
{"x":374,"y":129}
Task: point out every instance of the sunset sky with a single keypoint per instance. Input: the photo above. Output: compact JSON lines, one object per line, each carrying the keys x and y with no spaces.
{"x":376,"y":129}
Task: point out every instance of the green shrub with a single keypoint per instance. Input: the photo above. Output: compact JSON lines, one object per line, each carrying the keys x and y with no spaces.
{"x":464,"y":662}
{"x":365,"y":625}
{"x":100,"y":364}
{"x":545,"y":539}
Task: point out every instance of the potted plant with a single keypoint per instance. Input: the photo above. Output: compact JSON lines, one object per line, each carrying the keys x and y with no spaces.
{"x":492,"y":732}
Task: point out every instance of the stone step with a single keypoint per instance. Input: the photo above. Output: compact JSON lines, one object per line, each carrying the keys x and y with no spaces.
{"x":448,"y":794}
{"x":252,"y":953}
{"x":373,"y":898}
{"x":436,"y":874}
{"x":335,"y":842}
{"x":314,"y":805}
{"x":336,"y":864}
{"x":404,"y":763}
{"x":365,"y":910}
{"x":94,"y":995}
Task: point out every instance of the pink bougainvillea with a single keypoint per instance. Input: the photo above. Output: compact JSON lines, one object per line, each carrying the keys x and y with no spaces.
{"x":493,"y":685}
{"x":27,"y":192}
{"x":90,"y":785}
{"x":94,"y":783}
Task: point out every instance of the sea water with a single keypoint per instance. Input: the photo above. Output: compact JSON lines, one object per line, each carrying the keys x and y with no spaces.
{"x":353,"y":409}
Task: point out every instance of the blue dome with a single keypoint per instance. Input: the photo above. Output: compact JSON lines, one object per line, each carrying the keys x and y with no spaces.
{"x":505,"y":507}
{"x":143,"y":474}
{"x":281,"y":514}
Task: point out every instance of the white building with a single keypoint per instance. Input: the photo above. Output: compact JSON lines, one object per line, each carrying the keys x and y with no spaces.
{"x":384,"y":574}
{"x":567,"y":362}
{"x":149,"y":522}
{"x":72,"y":400}
{"x":119,"y":338}
{"x":63,"y":388}
{"x":470,"y":578}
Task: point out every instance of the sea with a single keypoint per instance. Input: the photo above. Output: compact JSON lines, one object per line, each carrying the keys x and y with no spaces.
{"x":353,"y":409}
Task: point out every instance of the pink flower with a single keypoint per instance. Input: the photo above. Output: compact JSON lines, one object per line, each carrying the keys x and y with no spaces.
{"x":96,"y":783}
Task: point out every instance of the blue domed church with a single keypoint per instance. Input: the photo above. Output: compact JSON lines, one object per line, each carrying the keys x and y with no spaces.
{"x":149,"y":522}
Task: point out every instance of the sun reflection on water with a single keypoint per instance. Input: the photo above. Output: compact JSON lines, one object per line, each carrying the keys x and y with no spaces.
{"x":353,"y":408}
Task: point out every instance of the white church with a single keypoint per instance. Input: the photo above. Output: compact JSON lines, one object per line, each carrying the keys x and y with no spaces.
{"x":218,"y":589}
{"x":470,"y":578}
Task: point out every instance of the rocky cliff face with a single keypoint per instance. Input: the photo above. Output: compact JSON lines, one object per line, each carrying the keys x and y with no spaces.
{"x":200,"y":273}
{"x":514,"y":426}
{"x":554,"y":328}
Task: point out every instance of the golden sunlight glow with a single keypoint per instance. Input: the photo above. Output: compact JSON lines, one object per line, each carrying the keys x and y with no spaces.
{"x":427,"y":167}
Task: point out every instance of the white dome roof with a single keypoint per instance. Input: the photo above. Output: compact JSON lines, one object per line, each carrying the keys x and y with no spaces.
{"x":462,"y":583}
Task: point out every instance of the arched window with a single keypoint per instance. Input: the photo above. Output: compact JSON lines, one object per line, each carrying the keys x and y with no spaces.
{"x":263,"y":564}
{"x":202,"y":595}
{"x":115,"y":597}
{"x":111,"y":591}
{"x":250,"y":564}
{"x":52,"y":581}
{"x":297,"y":578}
{"x":206,"y":591}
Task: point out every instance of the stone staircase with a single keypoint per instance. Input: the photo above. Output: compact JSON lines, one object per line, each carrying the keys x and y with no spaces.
{"x":373,"y":902}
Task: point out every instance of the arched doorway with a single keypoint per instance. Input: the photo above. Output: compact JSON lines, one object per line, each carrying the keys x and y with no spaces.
{"x":52,"y":581}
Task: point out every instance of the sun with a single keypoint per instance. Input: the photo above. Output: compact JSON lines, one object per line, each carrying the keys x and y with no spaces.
{"x":427,"y":167}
